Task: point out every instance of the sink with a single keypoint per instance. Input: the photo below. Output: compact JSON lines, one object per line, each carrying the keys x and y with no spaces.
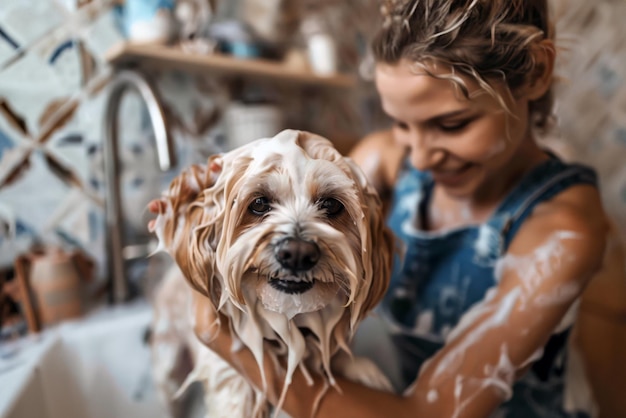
{"x":98,"y":367}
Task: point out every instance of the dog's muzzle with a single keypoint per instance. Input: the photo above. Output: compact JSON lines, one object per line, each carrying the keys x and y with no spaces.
{"x":297,"y":256}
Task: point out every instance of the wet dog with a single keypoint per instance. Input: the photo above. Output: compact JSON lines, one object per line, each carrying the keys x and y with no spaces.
{"x":285,"y":237}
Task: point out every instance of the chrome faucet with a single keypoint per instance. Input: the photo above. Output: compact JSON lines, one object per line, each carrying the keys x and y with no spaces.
{"x":124,"y":81}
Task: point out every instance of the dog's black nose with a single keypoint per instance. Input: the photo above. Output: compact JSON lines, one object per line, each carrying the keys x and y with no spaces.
{"x":296,"y":254}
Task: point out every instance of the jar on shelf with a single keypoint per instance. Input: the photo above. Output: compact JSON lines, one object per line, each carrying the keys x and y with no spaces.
{"x":320,"y":45}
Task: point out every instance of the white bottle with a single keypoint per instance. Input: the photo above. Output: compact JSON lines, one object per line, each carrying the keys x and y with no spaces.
{"x":321,"y":47}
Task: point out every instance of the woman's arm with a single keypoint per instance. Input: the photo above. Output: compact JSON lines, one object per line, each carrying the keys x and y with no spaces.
{"x":547,"y":267}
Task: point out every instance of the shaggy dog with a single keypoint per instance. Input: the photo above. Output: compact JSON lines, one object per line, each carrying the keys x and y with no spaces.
{"x":285,"y":237}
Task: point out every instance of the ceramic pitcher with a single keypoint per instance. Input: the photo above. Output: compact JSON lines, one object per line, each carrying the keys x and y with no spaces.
{"x":56,"y":278}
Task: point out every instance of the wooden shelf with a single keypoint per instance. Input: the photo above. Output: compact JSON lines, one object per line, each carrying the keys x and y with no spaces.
{"x":175,"y":58}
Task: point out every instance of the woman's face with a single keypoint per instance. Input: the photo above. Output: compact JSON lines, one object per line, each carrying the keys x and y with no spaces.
{"x":465,"y":144}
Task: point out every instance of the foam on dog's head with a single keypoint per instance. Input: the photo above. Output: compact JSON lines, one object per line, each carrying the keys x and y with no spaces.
{"x":227,"y":251}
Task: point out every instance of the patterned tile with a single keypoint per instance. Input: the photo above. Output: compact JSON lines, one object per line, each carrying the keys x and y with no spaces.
{"x":67,"y":146}
{"x":102,"y":35}
{"x":13,"y":164}
{"x":66,"y":219}
{"x":30,"y":86}
{"x":618,"y":105}
{"x":16,"y":236}
{"x":620,"y":136}
{"x":73,"y":5}
{"x":62,"y":54}
{"x":70,"y":220}
{"x":36,"y":193}
{"x":90,"y":117}
{"x":608,"y":80}
{"x":578,"y":123}
{"x":5,"y":144}
{"x":7,"y":49}
{"x":193,"y":102}
{"x":34,"y":197}
{"x":27,"y":21}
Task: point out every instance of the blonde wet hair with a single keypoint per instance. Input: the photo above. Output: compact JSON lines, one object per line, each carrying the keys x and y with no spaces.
{"x":489,"y":41}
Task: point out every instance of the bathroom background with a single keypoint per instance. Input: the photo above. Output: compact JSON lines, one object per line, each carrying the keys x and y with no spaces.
{"x":55,"y":71}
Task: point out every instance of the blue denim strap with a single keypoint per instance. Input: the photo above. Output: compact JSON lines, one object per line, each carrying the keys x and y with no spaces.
{"x":540,"y":185}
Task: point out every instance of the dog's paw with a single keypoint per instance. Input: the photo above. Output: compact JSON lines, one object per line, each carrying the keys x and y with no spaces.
{"x":362,"y":370}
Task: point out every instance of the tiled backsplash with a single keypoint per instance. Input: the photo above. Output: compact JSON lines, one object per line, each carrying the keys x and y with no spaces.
{"x":52,"y":68}
{"x":52,"y":73}
{"x":591,"y":99}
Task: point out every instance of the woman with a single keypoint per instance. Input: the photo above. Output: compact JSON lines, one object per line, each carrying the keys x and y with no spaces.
{"x":499,"y":237}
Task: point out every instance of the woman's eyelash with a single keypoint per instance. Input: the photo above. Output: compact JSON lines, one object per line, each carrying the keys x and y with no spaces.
{"x":457,"y":126}
{"x":447,"y":127}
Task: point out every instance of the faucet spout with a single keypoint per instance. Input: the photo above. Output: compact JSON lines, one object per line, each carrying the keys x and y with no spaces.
{"x":124,"y":81}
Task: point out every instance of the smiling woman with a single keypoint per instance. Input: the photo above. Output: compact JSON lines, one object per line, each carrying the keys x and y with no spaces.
{"x":462,"y":142}
{"x":496,"y":231}
{"x":500,"y":237}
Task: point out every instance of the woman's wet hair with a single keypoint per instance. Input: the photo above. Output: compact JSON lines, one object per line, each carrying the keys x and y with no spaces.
{"x":485,"y":40}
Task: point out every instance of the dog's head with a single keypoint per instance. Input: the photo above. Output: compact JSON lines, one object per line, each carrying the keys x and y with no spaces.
{"x":282,"y":229}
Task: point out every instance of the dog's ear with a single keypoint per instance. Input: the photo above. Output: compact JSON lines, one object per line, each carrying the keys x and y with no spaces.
{"x":189,"y":223}
{"x":383,"y":248}
{"x":377,"y":243}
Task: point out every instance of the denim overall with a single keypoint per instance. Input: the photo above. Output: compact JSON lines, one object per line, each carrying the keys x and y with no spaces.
{"x":444,"y":273}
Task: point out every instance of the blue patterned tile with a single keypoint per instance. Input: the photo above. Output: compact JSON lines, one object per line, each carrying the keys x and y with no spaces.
{"x":65,"y":59}
{"x":12,"y":160}
{"x":70,"y":221}
{"x":8,"y":48}
{"x":96,"y":225}
{"x":27,"y":21}
{"x":67,"y":146}
{"x":608,"y":80}
{"x":8,"y":41}
{"x":620,"y":136}
{"x":102,"y":35}
{"x":17,"y":239}
{"x":13,"y":147}
{"x":30,"y":85}
{"x":5,"y":143}
{"x":22,"y":229}
{"x":36,"y":194}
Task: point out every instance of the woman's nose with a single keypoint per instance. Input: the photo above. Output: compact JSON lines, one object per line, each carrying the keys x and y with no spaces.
{"x":424,"y":159}
{"x":423,"y":155}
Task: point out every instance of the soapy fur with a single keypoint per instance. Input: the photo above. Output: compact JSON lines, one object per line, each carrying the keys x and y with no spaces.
{"x":227,"y":253}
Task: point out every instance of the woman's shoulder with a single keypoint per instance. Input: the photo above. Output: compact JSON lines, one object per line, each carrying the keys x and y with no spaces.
{"x":559,"y":194}
{"x":577,"y":206}
{"x":380,"y":157}
{"x":575,"y":215}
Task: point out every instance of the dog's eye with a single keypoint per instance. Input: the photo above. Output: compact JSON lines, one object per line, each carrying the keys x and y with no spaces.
{"x":260,"y":206}
{"x":332,"y":206}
